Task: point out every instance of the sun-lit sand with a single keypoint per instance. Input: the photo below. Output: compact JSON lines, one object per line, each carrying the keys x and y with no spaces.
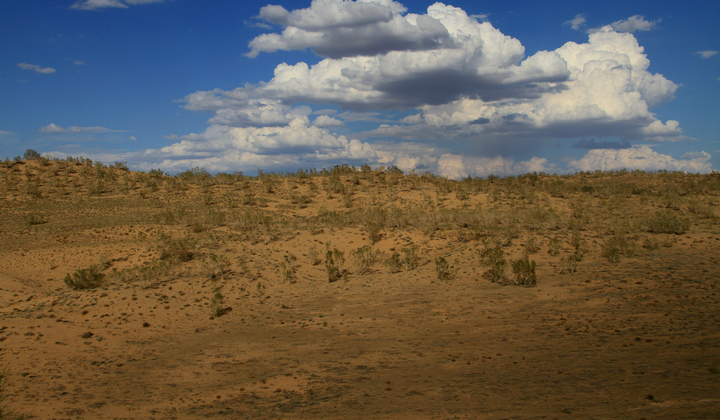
{"x":216,"y":300}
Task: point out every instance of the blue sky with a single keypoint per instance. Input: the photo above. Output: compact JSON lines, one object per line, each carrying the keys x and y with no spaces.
{"x":462,"y":88}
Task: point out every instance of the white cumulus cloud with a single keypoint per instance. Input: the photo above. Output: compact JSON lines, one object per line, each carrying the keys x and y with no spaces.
{"x":467,"y":82}
{"x":325,"y":121}
{"x":643,"y":158}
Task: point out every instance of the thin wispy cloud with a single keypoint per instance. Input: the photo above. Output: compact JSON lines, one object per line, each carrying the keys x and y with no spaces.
{"x":56,"y":129}
{"x":632,"y":24}
{"x":104,"y":4}
{"x":577,"y":22}
{"x":36,"y":68}
{"x":707,"y":54}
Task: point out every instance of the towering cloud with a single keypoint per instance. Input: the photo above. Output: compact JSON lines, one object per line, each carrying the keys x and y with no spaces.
{"x":465,"y":79}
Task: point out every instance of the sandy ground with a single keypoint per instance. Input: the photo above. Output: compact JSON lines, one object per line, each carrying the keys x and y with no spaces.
{"x":634,"y":339}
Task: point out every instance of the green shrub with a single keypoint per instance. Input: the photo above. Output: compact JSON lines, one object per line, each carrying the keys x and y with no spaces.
{"x":86,"y":278}
{"x":31,"y":154}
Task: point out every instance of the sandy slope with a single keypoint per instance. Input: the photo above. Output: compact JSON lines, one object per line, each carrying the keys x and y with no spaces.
{"x":635,"y":339}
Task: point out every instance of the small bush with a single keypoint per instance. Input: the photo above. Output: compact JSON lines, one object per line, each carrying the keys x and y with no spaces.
{"x":34,"y":219}
{"x":667,"y":222}
{"x":86,"y":278}
{"x":178,"y":250}
{"x":31,"y":154}
{"x":334,"y":261}
{"x":444,"y":270}
{"x":287,"y":268}
{"x":524,"y":271}
{"x":611,"y":250}
{"x":364,"y":258}
{"x":394,"y":264}
{"x":494,"y":258}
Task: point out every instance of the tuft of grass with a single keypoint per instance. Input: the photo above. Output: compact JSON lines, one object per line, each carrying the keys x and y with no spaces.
{"x":85,"y":278}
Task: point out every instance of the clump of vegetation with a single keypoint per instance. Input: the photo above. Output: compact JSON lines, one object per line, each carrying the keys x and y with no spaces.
{"x":287,"y":268}
{"x":364,"y":258}
{"x":524,"y":271}
{"x":444,"y":270}
{"x":177,"y":250}
{"x":216,"y":267}
{"x":667,"y":222}
{"x":35,"y":219}
{"x":494,"y":259}
{"x":217,"y":305}
{"x":85,"y":278}
{"x":334,"y":261}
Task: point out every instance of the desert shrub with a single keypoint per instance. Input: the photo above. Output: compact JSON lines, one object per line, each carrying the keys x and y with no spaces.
{"x":444,"y":270}
{"x":34,"y":219}
{"x":97,"y":188}
{"x":301,"y":200}
{"x":524,"y":271}
{"x":554,"y":247}
{"x":364,"y":258}
{"x":394,"y":263}
{"x":177,"y":250}
{"x":374,"y":231}
{"x":217,"y":305}
{"x":215,"y":218}
{"x":165,"y":217}
{"x":410,"y":260}
{"x":651,"y":244}
{"x":287,"y":268}
{"x":667,"y":222}
{"x":611,"y":250}
{"x":568,"y":265}
{"x":31,"y":154}
{"x":314,"y":255}
{"x":215,"y":267}
{"x":334,"y":260}
{"x":494,"y":258}
{"x":531,"y":246}
{"x":85,"y":278}
{"x":33,"y":189}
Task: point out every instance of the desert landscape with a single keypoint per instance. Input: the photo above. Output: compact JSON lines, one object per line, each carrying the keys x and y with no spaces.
{"x":356,"y":293}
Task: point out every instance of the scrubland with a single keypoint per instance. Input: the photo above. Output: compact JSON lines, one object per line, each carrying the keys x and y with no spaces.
{"x":356,"y":293}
